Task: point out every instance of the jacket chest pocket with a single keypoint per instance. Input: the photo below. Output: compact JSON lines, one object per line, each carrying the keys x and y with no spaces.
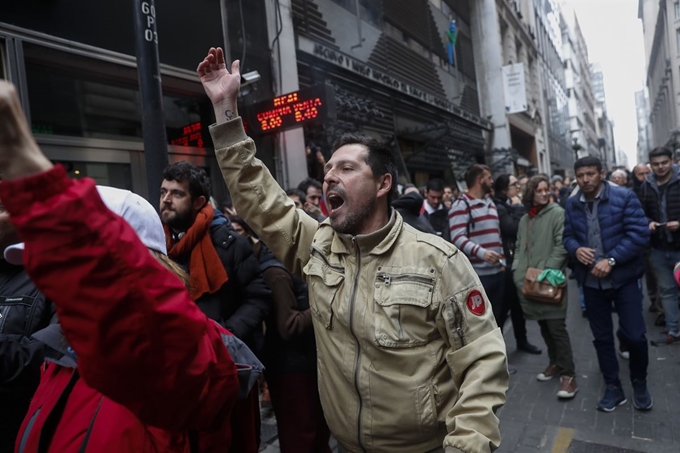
{"x":402,"y":315}
{"x":324,"y":282}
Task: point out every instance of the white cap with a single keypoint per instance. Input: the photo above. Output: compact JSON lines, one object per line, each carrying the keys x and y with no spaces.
{"x":138,"y":212}
{"x":14,"y":253}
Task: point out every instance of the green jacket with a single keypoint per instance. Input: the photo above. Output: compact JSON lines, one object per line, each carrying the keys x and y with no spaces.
{"x":408,"y":353}
{"x":545,"y":251}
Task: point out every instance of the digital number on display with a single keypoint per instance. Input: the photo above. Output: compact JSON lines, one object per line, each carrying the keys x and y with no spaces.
{"x":292,"y":110}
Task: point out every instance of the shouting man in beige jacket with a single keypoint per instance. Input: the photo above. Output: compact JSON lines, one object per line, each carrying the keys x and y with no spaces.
{"x":409,"y":356}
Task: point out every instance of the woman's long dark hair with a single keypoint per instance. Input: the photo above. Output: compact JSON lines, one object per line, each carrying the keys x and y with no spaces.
{"x":500,"y":187}
{"x":534,"y":181}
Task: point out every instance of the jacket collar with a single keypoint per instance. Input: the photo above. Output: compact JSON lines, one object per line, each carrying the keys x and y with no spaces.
{"x":375,"y":243}
{"x":548,"y":207}
{"x":602,"y":196}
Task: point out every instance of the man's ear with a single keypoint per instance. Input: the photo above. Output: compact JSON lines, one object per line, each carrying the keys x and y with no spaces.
{"x":385,"y":186}
{"x":198,"y":203}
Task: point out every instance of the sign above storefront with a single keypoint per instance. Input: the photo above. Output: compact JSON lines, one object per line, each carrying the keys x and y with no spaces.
{"x":290,"y":110}
{"x":367,"y":71}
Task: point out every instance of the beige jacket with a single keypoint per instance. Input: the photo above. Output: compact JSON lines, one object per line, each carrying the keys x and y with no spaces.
{"x":404,"y":364}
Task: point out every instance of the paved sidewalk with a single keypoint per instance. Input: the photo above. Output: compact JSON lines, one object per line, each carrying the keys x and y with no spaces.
{"x":534,"y":420}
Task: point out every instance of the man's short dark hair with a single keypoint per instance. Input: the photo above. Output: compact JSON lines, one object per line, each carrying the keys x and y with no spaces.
{"x":660,"y":151}
{"x":473,"y":172}
{"x":199,"y":182}
{"x":435,"y":184}
{"x":307,"y":183}
{"x":588,"y":161}
{"x":298,"y":193}
{"x":379,"y":157}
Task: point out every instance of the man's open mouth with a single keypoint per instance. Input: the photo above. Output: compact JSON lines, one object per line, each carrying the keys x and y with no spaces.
{"x":335,"y":201}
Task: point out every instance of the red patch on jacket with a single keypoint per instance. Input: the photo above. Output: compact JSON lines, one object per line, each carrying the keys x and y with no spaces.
{"x":475,"y":302}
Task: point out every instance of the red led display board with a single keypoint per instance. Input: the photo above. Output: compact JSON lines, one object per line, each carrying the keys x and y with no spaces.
{"x":191,"y":136}
{"x":290,"y":110}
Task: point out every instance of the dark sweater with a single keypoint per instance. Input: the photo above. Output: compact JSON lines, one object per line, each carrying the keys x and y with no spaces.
{"x":650,"y":197}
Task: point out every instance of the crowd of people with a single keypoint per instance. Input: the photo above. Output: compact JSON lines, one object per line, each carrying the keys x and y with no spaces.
{"x":374,"y":312}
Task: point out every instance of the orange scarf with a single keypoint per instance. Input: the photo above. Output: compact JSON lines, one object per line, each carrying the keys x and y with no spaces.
{"x":206,"y":271}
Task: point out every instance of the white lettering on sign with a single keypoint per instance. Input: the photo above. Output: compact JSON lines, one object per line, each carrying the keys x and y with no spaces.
{"x":150,"y":33}
{"x":347,"y":62}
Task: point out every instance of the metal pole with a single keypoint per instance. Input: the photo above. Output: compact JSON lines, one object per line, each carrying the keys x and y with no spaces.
{"x":153,"y":123}
{"x":225,"y":32}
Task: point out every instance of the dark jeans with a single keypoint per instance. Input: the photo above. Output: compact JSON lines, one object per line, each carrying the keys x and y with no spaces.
{"x":628,"y":305}
{"x":664,"y":262}
{"x":652,"y":282}
{"x":556,"y":337}
{"x":510,"y":303}
{"x":299,"y":418}
{"x":494,"y":286}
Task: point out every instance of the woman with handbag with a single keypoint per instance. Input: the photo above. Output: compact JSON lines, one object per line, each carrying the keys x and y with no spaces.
{"x":510,"y":211}
{"x":539,"y":248}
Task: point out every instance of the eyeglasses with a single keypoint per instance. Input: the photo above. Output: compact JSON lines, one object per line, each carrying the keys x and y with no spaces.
{"x":516,"y":184}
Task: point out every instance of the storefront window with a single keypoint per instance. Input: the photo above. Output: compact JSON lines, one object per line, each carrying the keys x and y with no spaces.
{"x":105,"y":174}
{"x":78,"y":96}
{"x":371,"y":10}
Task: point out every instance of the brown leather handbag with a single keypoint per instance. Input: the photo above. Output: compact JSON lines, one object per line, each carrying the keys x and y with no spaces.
{"x":542,"y":292}
{"x":536,"y":291}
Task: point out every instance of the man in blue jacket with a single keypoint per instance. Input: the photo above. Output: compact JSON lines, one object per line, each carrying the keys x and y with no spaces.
{"x":605,"y":231}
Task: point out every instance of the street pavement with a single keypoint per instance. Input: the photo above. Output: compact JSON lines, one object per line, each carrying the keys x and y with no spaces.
{"x":534,"y":421}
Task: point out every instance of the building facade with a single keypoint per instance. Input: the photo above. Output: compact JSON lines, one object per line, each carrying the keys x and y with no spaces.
{"x":504,"y":40}
{"x":582,"y":126}
{"x":388,"y":64}
{"x":644,"y":130}
{"x":661,"y":31}
{"x":547,"y":23}
{"x":604,"y":127}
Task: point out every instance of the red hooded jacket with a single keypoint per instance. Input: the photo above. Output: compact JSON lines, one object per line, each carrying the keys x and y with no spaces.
{"x":153,"y":373}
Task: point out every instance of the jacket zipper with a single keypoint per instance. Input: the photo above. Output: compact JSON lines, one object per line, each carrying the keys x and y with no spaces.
{"x":459,"y":323}
{"x":323,"y":258}
{"x":388,"y":279}
{"x":351,"y":329}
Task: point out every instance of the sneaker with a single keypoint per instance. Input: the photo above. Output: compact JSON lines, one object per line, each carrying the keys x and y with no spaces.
{"x":642,"y":400}
{"x":613,"y":397}
{"x":624,"y":354}
{"x":547,"y":374}
{"x":673,"y":337}
{"x":567,"y":387}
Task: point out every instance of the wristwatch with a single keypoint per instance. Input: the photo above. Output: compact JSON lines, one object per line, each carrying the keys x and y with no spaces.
{"x":611,"y":262}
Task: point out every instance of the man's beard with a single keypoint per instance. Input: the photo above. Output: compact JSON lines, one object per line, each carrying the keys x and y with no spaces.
{"x":486,"y":188}
{"x":354,"y":221}
{"x":180,"y":221}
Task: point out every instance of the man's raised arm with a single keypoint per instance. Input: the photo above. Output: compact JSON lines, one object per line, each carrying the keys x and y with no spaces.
{"x":257,"y":197}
